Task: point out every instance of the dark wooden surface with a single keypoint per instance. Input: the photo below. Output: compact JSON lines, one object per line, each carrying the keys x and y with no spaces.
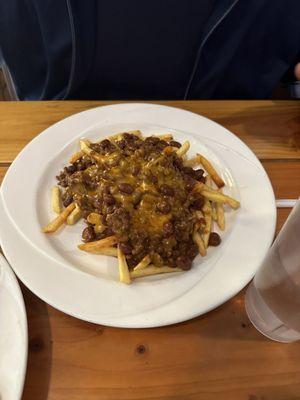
{"x":216,"y":356}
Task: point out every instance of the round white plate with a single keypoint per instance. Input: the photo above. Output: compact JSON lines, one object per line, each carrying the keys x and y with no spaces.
{"x":87,"y":286}
{"x":13,"y":335}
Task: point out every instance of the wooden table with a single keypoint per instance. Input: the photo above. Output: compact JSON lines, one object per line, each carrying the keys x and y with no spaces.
{"x":216,"y":356}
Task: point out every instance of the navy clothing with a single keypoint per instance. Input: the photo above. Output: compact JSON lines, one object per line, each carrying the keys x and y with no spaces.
{"x":144,"y":55}
{"x":165,"y":49}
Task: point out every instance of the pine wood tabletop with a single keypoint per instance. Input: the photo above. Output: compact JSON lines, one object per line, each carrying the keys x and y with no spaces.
{"x":216,"y":356}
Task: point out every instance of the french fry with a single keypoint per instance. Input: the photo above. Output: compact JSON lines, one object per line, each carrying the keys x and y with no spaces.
{"x":85,"y":148}
{"x":143,"y":263}
{"x":215,"y":195}
{"x":214,"y":212}
{"x":74,"y":216}
{"x":56,"y":203}
{"x":213,"y":208}
{"x":59,"y":220}
{"x":211,"y":171}
{"x":166,"y":137}
{"x":199,"y":187}
{"x":152,"y":270}
{"x":168,"y":150}
{"x":106,"y":251}
{"x":200,"y":223}
{"x":84,"y":143}
{"x":220,"y":198}
{"x":192,"y":162}
{"x":76,"y":156}
{"x":93,"y":247}
{"x":207,"y":211}
{"x":183,"y":149}
{"x":123,"y":268}
{"x":200,"y":243}
{"x":220,"y":215}
{"x":94,"y":218}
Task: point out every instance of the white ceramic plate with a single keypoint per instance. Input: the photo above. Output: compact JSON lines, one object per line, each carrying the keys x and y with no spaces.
{"x":13,"y":335}
{"x":87,"y":286}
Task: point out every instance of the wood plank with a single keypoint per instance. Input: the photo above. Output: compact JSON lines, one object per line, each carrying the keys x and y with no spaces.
{"x":217,"y":356}
{"x":270,"y":128}
{"x":285,"y":178}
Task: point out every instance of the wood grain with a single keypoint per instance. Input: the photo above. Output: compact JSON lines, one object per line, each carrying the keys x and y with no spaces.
{"x":270,"y":128}
{"x":216,"y":356}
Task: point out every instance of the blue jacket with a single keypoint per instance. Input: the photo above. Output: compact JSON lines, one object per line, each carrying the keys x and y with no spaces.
{"x":244,"y":50}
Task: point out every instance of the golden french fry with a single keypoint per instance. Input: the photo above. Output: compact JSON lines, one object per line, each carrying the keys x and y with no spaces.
{"x":56,"y":203}
{"x":108,"y":251}
{"x":169,"y":150}
{"x":220,"y":215}
{"x":123,"y":267}
{"x":211,"y":171}
{"x":92,"y":247}
{"x":59,"y":220}
{"x":76,"y":156}
{"x":143,"y":263}
{"x":94,"y":218}
{"x":105,"y":251}
{"x":84,"y":143}
{"x":199,"y":242}
{"x":74,"y":216}
{"x":192,"y":162}
{"x":183,"y":149}
{"x":199,"y":187}
{"x":85,"y":148}
{"x":209,"y":184}
{"x":99,"y":228}
{"x":166,"y":137}
{"x":220,"y":198}
{"x":214,"y":211}
{"x":207,"y":211}
{"x":152,"y":270}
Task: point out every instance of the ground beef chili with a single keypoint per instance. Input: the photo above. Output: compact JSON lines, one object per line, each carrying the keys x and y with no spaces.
{"x":143,"y":195}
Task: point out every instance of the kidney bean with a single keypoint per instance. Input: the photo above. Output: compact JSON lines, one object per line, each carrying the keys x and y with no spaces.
{"x":108,"y":199}
{"x":126,"y":188}
{"x":198,"y":174}
{"x":166,"y":190}
{"x":168,"y":228}
{"x":188,"y":171}
{"x":125,"y":248}
{"x":70,"y":169}
{"x":88,"y":234}
{"x":163,"y":207}
{"x":198,"y":203}
{"x":67,"y":199}
{"x":173,"y":143}
{"x":183,"y":262}
{"x":214,"y":239}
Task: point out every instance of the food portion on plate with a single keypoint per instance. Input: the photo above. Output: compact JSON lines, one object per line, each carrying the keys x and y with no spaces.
{"x":143,"y":202}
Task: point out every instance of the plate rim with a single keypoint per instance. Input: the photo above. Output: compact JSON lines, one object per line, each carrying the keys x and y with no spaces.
{"x":17,"y":292}
{"x":213,"y":125}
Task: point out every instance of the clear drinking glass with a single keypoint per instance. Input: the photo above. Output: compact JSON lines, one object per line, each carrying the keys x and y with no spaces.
{"x":273,"y":297}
